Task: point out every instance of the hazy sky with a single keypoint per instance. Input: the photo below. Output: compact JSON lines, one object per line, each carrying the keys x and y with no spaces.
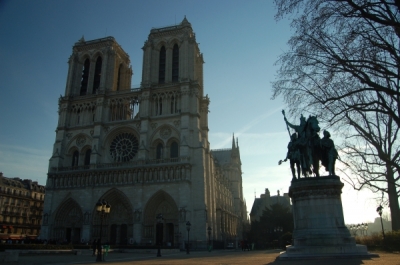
{"x":240,"y":41}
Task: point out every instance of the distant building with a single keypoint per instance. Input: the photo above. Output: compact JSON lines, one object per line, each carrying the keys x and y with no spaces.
{"x":376,"y":226}
{"x":370,"y":228}
{"x":21,"y":203}
{"x":266,"y":200}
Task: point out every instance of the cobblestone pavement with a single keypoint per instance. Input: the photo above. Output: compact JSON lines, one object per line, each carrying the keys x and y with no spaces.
{"x":214,"y":258}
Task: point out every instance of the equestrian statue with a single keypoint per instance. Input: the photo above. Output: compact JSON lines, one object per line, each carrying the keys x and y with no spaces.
{"x":306,"y":149}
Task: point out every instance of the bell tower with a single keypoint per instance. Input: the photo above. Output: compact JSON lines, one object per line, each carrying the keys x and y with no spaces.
{"x":171,"y":55}
{"x":97,"y":68}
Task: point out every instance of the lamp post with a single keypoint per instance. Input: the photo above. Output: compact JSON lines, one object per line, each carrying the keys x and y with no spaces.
{"x":209,"y":238}
{"x":188,"y":229}
{"x":379,"y":210}
{"x":278,"y":231}
{"x":159,"y":238}
{"x":365,"y":226}
{"x":102,"y":208}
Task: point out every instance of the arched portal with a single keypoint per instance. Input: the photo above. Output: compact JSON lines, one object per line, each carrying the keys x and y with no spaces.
{"x":68,"y":222}
{"x":118,"y":224}
{"x":167,"y":233}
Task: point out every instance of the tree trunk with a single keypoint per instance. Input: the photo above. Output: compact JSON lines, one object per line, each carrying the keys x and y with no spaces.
{"x":393,"y":200}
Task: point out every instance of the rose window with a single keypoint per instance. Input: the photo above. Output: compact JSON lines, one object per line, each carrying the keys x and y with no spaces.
{"x":124,"y":147}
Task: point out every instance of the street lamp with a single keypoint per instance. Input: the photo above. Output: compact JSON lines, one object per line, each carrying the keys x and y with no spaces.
{"x":188,"y":229}
{"x":379,"y":210}
{"x":209,"y":238}
{"x":102,"y":208}
{"x":278,"y":231}
{"x":365,"y":226}
{"x":159,"y":236}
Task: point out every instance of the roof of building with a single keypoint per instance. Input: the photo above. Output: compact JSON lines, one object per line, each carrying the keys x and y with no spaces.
{"x":19,"y":183}
{"x":256,"y":205}
{"x":260,"y":203}
{"x":222,"y":156}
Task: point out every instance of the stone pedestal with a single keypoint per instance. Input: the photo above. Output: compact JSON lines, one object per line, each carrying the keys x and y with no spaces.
{"x":319,"y":229}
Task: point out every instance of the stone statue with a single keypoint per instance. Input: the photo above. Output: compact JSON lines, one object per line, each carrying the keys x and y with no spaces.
{"x":293,"y":155}
{"x":329,"y":154}
{"x":306,"y":149}
{"x":305,"y":133}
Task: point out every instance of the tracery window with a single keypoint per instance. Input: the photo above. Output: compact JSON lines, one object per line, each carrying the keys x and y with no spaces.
{"x":174,"y":105}
{"x":175,"y":63}
{"x":174,"y":150}
{"x":159,"y":106}
{"x":78,"y":117}
{"x":159,"y":151}
{"x":85,"y":77}
{"x":124,"y":147}
{"x":161,"y":69}
{"x":75,"y":159}
{"x":87,"y":157}
{"x":97,"y":75}
{"x":119,"y":78}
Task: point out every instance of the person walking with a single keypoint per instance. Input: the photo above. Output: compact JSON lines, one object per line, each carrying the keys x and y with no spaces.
{"x":94,"y":247}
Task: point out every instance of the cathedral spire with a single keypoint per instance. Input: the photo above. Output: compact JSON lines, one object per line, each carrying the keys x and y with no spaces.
{"x":233,"y":141}
{"x":185,"y":21}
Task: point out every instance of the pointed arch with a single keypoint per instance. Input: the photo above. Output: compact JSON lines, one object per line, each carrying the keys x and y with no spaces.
{"x":159,"y":151}
{"x":119,"y":77}
{"x":175,"y":63}
{"x":161,"y":68}
{"x":68,"y":221}
{"x":161,"y":203}
{"x":118,"y":225}
{"x":173,"y":149}
{"x":85,"y":77}
{"x":97,"y":74}
{"x":75,"y":159}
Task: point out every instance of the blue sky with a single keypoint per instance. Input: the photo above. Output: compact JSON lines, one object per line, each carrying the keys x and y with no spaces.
{"x":240,"y":41}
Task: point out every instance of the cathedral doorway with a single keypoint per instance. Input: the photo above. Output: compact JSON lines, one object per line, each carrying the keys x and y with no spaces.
{"x":163,"y":233}
{"x":169,"y":234}
{"x":68,"y":222}
{"x":113,"y":234}
{"x":118,"y":225}
{"x":73,"y":235}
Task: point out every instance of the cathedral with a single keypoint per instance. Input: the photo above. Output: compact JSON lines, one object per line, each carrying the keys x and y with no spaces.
{"x":144,"y":151}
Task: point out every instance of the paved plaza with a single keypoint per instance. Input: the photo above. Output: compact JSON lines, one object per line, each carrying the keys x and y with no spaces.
{"x":218,"y":257}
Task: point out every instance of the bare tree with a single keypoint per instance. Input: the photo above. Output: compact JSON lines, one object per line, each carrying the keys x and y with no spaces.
{"x":344,"y":67}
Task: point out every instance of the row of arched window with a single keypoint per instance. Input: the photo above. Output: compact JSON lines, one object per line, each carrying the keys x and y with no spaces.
{"x":163,"y":64}
{"x":85,"y":76}
{"x":166,"y":105}
{"x":96,"y":78}
{"x":173,"y":151}
{"x":76,"y":158}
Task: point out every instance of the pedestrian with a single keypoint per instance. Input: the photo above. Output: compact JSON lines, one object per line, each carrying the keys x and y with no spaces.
{"x":106,"y":247}
{"x":94,"y":247}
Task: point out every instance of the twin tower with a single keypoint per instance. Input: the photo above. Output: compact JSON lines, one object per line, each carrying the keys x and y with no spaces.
{"x":143,"y":150}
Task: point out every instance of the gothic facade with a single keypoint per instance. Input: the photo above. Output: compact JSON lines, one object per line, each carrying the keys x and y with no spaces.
{"x":143,"y":150}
